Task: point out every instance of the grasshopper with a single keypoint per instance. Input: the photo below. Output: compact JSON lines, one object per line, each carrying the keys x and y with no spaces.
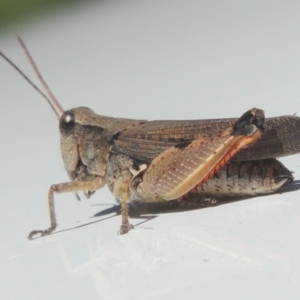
{"x":157,"y":161}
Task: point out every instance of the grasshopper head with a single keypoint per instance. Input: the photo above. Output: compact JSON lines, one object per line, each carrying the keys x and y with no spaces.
{"x":83,"y":147}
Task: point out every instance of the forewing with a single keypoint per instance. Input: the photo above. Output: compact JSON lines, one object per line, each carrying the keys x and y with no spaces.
{"x":146,"y":141}
{"x":281,"y":138}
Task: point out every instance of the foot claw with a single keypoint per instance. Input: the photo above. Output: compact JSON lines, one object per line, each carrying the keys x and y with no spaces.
{"x":125,"y":228}
{"x":41,"y":232}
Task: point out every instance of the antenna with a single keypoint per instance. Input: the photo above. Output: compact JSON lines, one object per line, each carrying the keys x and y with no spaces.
{"x":56,"y":107}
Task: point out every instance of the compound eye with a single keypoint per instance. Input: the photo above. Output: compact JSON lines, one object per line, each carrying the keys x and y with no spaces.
{"x":66,"y":123}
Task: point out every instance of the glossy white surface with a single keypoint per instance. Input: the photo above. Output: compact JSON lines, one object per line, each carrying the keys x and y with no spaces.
{"x":152,"y":60}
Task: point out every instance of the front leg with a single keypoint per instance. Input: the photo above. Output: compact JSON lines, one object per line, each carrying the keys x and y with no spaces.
{"x":121,"y":190}
{"x":74,"y":186}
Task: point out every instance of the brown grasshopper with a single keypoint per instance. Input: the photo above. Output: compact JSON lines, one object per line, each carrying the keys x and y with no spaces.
{"x":159,"y":161}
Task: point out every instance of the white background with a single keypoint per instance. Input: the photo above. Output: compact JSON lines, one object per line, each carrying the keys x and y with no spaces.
{"x":149,"y":60}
